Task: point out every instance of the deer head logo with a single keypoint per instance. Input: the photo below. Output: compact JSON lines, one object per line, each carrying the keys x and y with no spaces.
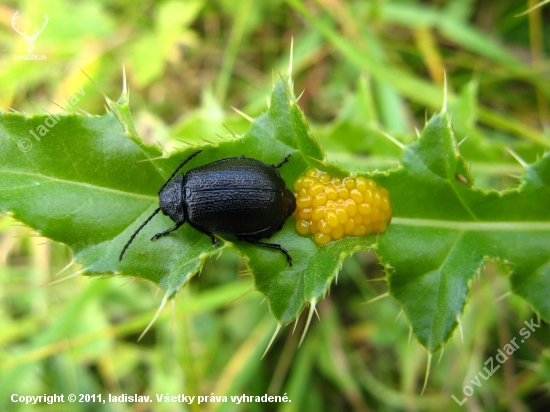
{"x":29,"y":40}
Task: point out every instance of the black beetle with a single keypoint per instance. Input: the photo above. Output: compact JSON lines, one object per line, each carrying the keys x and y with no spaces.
{"x":237,"y":196}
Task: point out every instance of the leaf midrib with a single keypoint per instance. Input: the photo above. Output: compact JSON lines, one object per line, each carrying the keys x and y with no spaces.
{"x":474,"y":226}
{"x":86,"y":185}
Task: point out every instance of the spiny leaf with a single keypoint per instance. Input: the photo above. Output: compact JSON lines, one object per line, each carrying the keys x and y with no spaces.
{"x":444,"y":230}
{"x":90,"y":182}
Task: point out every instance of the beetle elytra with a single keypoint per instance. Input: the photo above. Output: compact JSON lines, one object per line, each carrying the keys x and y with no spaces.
{"x":237,"y":196}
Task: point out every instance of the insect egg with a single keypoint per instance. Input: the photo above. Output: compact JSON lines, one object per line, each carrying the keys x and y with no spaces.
{"x":331,"y":208}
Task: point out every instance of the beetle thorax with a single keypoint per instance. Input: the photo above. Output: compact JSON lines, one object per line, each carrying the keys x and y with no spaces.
{"x":170,"y":200}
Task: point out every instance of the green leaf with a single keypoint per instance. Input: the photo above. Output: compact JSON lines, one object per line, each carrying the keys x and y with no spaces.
{"x":444,"y":230}
{"x":90,"y":182}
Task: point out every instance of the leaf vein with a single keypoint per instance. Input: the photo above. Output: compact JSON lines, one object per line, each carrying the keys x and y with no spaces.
{"x":86,"y":185}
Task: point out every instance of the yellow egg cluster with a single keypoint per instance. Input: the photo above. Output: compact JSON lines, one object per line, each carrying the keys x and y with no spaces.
{"x":331,"y":208}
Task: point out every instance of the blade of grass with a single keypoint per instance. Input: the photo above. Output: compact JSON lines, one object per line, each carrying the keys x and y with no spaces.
{"x":241,"y":368}
{"x":412,"y":87}
{"x":232,"y":49}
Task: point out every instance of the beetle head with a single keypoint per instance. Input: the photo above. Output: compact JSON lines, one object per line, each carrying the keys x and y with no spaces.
{"x":171,"y":201}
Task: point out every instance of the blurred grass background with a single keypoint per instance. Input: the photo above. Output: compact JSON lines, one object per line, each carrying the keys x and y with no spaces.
{"x":365,"y":68}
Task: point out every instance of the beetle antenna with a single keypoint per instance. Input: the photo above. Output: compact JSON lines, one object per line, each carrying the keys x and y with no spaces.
{"x":178,"y":168}
{"x":135,"y":234}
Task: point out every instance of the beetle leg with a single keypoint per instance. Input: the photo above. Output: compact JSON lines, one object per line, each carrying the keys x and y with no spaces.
{"x":167,"y":231}
{"x":207,"y":233}
{"x":282,"y":162}
{"x":269,"y":245}
{"x":212,"y":238}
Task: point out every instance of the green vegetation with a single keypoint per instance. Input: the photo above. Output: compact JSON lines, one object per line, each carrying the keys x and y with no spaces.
{"x":367,"y":70}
